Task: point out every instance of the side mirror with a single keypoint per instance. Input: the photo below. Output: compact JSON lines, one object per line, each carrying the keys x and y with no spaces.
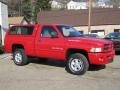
{"x":54,"y":35}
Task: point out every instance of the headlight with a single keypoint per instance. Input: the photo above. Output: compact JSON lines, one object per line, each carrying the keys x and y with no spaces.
{"x":96,"y":50}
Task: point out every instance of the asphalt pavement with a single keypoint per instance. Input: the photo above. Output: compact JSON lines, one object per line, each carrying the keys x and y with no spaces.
{"x":51,"y":75}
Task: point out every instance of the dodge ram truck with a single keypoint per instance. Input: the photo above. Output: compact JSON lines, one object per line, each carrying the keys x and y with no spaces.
{"x":57,"y":42}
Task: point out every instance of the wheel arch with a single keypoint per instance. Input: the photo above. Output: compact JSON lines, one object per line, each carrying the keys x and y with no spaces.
{"x":17,"y":46}
{"x":73,"y":50}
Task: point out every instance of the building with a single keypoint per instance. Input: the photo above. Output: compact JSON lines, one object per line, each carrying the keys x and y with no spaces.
{"x":103,"y":4}
{"x":3,"y":20}
{"x":56,"y":4}
{"x":17,"y":20}
{"x":103,"y":21}
{"x":68,"y":4}
{"x":72,"y":5}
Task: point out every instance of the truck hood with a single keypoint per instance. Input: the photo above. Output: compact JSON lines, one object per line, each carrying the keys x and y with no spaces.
{"x":89,"y":41}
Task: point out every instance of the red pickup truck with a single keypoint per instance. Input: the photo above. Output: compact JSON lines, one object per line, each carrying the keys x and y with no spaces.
{"x":59,"y":42}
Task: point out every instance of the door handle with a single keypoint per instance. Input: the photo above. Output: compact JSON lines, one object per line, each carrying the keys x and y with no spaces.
{"x":38,"y":40}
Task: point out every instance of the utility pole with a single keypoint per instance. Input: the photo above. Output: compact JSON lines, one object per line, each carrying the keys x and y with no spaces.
{"x":89,"y":16}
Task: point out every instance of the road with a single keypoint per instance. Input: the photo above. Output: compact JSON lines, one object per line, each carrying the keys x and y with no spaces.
{"x":51,"y":75}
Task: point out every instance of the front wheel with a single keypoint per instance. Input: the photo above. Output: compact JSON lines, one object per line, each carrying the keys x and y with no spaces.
{"x":77,"y":64}
{"x":19,"y":57}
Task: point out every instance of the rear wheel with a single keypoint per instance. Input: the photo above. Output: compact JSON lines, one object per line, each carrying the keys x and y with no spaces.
{"x":77,"y":64}
{"x":19,"y":57}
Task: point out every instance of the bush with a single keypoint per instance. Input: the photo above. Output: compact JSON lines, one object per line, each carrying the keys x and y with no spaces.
{"x":1,"y":49}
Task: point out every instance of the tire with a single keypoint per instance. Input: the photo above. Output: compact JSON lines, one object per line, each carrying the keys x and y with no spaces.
{"x":77,"y":64}
{"x":19,"y":57}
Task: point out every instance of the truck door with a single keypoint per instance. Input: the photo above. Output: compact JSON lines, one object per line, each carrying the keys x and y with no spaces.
{"x":49,"y":44}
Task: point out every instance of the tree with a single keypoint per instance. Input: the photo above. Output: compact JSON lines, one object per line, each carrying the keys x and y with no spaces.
{"x":27,"y":9}
{"x":115,"y":3}
{"x":18,"y":7}
{"x":41,"y":5}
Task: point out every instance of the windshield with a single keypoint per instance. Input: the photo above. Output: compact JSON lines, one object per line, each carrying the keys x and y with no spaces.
{"x":69,"y":31}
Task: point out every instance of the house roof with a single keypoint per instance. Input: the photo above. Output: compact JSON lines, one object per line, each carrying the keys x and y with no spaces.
{"x":80,"y":17}
{"x":15,"y":20}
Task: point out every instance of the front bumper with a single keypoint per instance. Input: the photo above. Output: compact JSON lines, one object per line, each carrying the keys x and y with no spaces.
{"x":101,"y":58}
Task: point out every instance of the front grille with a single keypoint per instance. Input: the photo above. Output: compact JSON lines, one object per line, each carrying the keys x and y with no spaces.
{"x":108,"y":47}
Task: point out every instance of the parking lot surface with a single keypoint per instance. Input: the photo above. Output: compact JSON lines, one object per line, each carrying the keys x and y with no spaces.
{"x":51,"y":75}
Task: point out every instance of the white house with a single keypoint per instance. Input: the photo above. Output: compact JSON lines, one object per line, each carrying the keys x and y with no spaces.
{"x":3,"y":19}
{"x":103,"y":4}
{"x":76,"y":5}
{"x":56,"y":4}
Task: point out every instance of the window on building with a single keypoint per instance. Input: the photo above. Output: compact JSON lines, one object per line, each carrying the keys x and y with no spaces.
{"x":116,"y":30}
{"x":98,"y":32}
{"x":47,"y":31}
{"x":22,"y":30}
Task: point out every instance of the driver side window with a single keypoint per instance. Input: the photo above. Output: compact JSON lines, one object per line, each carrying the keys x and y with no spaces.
{"x":47,"y":31}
